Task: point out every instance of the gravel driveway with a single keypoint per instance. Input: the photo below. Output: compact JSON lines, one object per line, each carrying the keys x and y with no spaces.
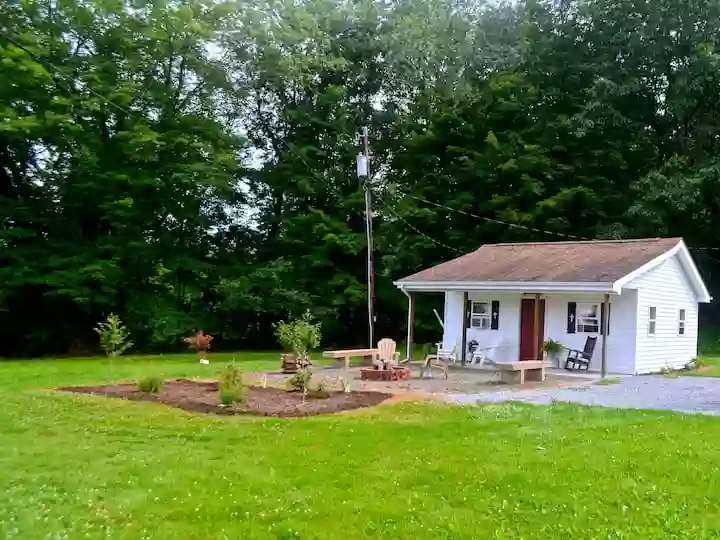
{"x":682,"y":394}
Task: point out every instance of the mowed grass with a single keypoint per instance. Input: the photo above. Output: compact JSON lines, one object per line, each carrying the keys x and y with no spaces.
{"x":84,"y":467}
{"x":707,"y":366}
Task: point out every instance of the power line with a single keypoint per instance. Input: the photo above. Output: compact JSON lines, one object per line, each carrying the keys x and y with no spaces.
{"x":525,"y":227}
{"x":493,"y":220}
{"x":53,"y":70}
{"x":437,"y":242}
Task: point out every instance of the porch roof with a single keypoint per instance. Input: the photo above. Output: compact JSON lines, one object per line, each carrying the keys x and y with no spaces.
{"x":602,"y":266}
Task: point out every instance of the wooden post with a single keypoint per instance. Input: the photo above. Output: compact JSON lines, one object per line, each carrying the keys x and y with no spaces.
{"x":465,"y":320}
{"x":606,"y":313}
{"x":536,"y":328}
{"x":411,"y":324}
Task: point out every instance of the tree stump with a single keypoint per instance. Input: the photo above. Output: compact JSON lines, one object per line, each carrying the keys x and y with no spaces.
{"x":289,"y":363}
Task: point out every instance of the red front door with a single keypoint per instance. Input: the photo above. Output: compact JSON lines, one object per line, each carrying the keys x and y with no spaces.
{"x":527,"y":329}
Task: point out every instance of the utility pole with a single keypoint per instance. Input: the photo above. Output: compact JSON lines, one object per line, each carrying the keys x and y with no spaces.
{"x":363,"y":170}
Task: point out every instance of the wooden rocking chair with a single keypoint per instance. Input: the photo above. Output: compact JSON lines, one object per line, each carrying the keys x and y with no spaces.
{"x":577,"y":359}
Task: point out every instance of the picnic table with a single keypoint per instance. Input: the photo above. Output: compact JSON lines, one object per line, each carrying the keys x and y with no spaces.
{"x":347,"y":354}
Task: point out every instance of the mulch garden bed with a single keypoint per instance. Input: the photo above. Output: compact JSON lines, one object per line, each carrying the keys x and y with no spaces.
{"x":202,"y":396}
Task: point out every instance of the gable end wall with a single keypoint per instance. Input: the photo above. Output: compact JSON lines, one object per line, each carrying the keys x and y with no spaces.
{"x":667,"y":289}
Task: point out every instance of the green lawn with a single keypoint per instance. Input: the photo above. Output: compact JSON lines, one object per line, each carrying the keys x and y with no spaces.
{"x":82,"y":467}
{"x":708,"y":366}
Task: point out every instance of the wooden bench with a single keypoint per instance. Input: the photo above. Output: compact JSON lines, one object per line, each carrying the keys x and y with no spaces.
{"x":347,"y":354}
{"x":519,"y":372}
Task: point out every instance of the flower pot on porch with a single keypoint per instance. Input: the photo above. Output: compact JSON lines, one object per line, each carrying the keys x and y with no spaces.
{"x":551,"y":359}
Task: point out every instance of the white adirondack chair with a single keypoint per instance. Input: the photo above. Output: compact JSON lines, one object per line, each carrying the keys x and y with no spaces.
{"x":387,"y":353}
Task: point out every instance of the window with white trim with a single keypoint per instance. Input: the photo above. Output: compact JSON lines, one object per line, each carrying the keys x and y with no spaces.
{"x":587,"y":318}
{"x":681,"y":322}
{"x":480,"y":315}
{"x":652,"y":321}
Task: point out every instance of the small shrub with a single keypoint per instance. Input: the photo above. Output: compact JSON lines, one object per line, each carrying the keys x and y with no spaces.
{"x":300,"y":335}
{"x":320,"y":391}
{"x":152,"y":384}
{"x":231,"y":386}
{"x":700,"y":362}
{"x":668,"y":371}
{"x":300,"y":381}
{"x":230,"y":396}
{"x":114,"y":337}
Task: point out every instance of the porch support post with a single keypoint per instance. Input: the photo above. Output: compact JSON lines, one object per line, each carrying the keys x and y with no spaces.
{"x":604,"y":325}
{"x":465,"y":320}
{"x":536,"y":328}
{"x":410,"y":325}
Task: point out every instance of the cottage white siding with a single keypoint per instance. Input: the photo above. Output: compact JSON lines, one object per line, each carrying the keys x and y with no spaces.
{"x":505,"y":340}
{"x":622,"y":329}
{"x":667,"y":289}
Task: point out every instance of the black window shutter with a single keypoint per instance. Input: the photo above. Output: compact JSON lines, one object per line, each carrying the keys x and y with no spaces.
{"x":468,"y":313}
{"x":495,"y":315}
{"x":572,"y":308}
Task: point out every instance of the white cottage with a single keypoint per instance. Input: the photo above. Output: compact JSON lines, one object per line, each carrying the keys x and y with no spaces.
{"x":510,"y":298}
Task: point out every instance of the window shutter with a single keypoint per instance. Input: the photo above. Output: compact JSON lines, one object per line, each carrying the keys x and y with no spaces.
{"x":495,"y":315}
{"x":572,"y":308}
{"x":468,"y":314}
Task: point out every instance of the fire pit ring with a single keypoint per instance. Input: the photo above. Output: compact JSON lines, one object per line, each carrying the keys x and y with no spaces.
{"x":393,"y":373}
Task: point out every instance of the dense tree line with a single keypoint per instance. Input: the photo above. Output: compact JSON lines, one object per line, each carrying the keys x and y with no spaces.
{"x":192,"y":163}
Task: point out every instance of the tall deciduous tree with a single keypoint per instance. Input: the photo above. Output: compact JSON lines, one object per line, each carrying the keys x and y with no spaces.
{"x":114,"y":164}
{"x":192,"y":163}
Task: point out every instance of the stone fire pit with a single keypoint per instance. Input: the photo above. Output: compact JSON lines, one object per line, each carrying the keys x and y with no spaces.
{"x":393,"y":373}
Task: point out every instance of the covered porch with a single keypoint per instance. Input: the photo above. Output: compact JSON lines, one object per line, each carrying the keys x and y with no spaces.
{"x":508,"y":323}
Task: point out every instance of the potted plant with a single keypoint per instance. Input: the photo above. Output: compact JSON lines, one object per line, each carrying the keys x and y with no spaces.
{"x":552,"y":350}
{"x":296,"y":338}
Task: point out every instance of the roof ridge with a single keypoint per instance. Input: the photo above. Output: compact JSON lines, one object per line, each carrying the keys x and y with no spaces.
{"x":577,"y":242}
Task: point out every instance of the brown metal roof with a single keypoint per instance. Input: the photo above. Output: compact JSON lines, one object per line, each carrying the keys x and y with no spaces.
{"x":594,"y":261}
